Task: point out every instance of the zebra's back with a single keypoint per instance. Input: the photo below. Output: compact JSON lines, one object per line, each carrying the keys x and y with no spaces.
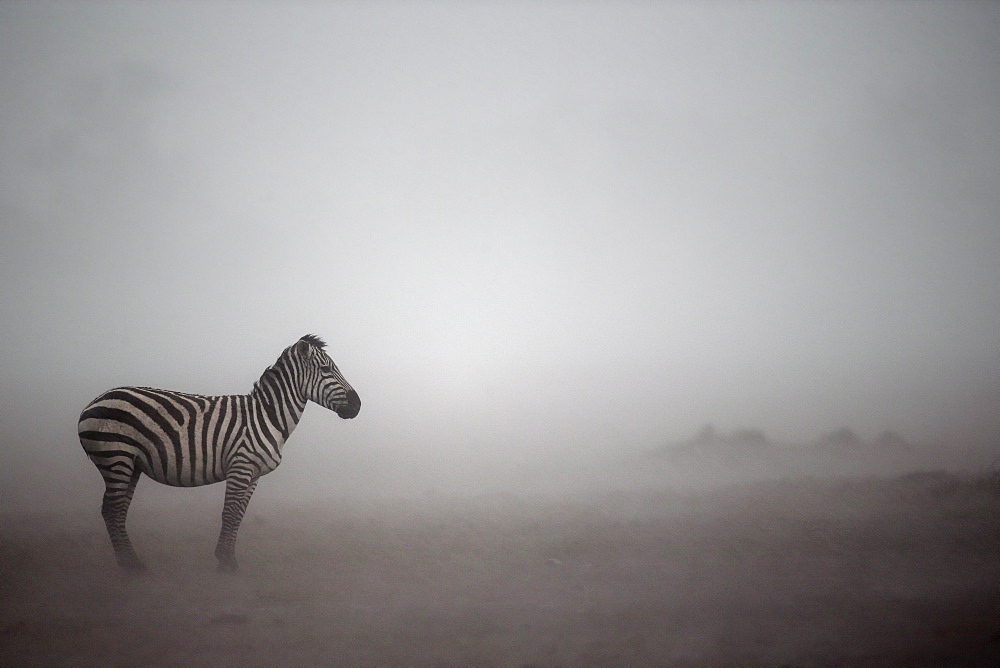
{"x":173,"y":437}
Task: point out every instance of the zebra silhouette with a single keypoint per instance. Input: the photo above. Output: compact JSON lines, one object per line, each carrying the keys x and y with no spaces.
{"x":187,"y":440}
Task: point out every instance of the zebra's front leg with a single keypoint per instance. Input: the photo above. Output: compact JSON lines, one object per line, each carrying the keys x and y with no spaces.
{"x":239,"y":489}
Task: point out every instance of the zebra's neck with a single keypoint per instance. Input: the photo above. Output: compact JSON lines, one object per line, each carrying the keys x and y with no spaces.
{"x":279,"y":401}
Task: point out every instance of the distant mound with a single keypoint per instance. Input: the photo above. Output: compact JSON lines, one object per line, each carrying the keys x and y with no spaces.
{"x":716,"y":456}
{"x":841,"y":438}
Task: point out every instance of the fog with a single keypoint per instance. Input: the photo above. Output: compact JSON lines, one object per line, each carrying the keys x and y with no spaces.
{"x":561,"y":250}
{"x":525,"y":229}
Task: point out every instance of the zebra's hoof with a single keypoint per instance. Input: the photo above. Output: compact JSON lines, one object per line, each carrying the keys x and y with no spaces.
{"x":228,"y":566}
{"x":134,"y":567}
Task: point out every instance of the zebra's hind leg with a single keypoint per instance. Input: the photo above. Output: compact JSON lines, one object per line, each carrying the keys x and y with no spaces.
{"x":117,"y":497}
{"x":239,"y":489}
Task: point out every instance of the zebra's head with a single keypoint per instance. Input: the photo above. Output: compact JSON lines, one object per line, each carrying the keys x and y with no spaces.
{"x":320,"y":379}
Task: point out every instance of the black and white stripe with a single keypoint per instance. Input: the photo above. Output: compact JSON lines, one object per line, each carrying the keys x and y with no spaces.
{"x":188,"y":440}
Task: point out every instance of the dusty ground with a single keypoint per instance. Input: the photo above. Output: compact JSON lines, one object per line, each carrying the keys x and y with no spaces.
{"x":883,"y":572}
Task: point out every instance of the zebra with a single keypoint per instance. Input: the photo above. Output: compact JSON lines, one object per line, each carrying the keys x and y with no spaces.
{"x":187,"y":440}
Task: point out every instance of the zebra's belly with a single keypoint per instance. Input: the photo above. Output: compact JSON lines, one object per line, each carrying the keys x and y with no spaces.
{"x":180,"y":476}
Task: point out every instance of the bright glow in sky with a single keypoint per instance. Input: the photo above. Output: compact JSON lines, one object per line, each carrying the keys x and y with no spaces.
{"x":521,"y":226}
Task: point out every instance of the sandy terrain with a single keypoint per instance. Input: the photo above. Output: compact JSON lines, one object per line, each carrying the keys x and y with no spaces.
{"x":884,"y":571}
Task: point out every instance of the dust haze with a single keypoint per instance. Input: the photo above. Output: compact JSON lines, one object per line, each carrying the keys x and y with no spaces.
{"x":675,"y":326}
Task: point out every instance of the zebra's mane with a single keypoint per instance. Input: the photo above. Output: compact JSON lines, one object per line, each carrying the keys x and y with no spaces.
{"x":283,"y":360}
{"x":314,"y":340}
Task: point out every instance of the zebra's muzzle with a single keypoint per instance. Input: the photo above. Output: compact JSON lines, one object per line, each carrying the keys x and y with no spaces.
{"x":352,"y":407}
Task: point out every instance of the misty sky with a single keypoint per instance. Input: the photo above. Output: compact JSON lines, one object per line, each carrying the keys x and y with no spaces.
{"x":521,"y":227}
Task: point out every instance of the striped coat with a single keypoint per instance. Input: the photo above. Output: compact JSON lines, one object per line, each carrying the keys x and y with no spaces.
{"x":189,"y":440}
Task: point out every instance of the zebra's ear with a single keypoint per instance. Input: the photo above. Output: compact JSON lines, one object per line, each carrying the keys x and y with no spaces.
{"x":303,"y":349}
